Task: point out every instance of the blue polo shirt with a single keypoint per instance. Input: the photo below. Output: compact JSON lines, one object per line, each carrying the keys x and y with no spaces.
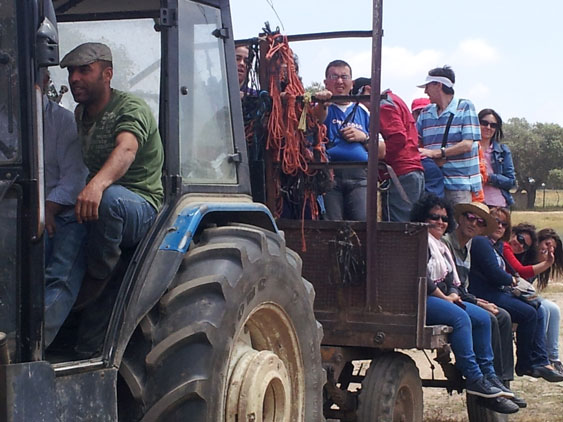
{"x":461,"y":172}
{"x":341,"y":149}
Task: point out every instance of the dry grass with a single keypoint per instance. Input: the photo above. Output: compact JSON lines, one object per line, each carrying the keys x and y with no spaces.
{"x":541,"y":219}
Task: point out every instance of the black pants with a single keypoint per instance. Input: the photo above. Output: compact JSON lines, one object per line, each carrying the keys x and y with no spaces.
{"x":501,"y":339}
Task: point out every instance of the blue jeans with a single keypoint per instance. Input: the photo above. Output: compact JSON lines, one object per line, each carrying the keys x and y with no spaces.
{"x":123,"y":219}
{"x":348,"y":197}
{"x":530,"y":334}
{"x":65,"y":265}
{"x":470,"y":338}
{"x":551,"y":315}
{"x":393,"y":206}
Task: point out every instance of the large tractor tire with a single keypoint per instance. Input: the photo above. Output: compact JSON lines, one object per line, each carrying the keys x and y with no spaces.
{"x":391,"y":391}
{"x":233,"y":339}
{"x":478,"y":413}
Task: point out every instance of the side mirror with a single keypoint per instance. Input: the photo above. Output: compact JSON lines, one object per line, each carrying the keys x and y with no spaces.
{"x":47,"y":44}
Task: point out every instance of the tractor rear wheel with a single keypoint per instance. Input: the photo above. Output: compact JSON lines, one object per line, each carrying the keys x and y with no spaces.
{"x":233,"y":339}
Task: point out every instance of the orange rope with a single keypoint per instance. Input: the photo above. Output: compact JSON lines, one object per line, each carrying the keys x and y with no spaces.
{"x":289,"y":145}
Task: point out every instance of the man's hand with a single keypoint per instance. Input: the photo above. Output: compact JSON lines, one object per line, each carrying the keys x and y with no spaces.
{"x":323,"y":95}
{"x":351,"y":134}
{"x":88,"y":202}
{"x":488,"y":306}
{"x":430,"y":153}
{"x":116,"y":165}
{"x":51,"y":210}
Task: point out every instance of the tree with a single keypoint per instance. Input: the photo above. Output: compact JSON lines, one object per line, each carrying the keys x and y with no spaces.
{"x":537,"y":150}
{"x":314,"y":88}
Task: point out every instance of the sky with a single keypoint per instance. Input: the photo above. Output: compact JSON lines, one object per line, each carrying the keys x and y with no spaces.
{"x":506,"y":54}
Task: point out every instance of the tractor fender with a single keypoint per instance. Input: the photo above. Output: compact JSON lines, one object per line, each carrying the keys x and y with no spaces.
{"x":159,"y":258}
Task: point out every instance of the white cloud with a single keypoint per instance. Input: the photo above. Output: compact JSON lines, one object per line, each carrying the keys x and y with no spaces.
{"x":474,"y":52}
{"x":401,"y":62}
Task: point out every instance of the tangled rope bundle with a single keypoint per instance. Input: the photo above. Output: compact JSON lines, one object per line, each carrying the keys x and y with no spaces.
{"x":295,"y":137}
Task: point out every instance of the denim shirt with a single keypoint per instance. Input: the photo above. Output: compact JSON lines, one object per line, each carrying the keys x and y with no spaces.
{"x":503,"y":176}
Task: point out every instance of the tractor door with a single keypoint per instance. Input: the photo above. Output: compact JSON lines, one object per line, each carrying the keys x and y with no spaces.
{"x":208,"y":116}
{"x":27,"y":42}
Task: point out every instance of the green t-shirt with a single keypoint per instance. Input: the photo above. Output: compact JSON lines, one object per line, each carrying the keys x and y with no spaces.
{"x":125,"y":112}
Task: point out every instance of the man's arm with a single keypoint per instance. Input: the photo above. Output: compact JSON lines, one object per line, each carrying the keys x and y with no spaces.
{"x":460,"y":148}
{"x":117,"y":164}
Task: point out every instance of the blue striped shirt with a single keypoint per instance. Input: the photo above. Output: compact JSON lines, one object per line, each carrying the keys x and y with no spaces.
{"x":461,"y":172}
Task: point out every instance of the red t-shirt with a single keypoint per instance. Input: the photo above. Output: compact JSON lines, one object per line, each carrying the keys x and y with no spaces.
{"x":398,"y":129}
{"x":526,"y":271}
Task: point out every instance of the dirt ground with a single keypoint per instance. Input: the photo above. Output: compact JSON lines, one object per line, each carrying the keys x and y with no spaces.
{"x":545,"y":400}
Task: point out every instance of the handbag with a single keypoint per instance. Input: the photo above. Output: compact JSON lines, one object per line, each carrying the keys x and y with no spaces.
{"x":525,"y":291}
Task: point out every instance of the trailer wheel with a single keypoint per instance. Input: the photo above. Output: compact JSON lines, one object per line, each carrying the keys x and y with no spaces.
{"x":233,"y":339}
{"x":478,"y":413}
{"x":391,"y":391}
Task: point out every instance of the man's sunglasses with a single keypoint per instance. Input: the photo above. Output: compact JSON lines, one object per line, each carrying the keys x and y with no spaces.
{"x":472,"y":217}
{"x":522,"y":240}
{"x":436,"y":217}
{"x":485,"y":123}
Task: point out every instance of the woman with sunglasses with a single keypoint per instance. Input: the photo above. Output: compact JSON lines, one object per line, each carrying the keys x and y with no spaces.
{"x":489,"y":279}
{"x":471,"y":336}
{"x":498,"y":161}
{"x":523,"y":242}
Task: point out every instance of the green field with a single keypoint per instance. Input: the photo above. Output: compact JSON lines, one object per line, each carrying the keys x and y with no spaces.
{"x":541,"y":219}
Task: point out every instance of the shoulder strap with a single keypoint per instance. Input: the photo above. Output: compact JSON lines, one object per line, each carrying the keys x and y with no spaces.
{"x":447,"y":131}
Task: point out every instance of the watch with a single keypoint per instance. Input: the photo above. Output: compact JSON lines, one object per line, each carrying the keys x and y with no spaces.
{"x":443,"y":152}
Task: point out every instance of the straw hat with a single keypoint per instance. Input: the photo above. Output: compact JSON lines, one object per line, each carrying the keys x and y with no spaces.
{"x":480,"y":210}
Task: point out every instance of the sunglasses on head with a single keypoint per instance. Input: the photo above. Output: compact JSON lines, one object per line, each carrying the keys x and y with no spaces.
{"x":522,"y":240}
{"x":472,"y":217}
{"x":501,"y":223}
{"x":436,"y":217}
{"x":485,"y":123}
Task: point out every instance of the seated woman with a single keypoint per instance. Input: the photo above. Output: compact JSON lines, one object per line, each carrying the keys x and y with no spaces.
{"x":549,"y":250}
{"x":471,"y":336}
{"x":489,"y":279}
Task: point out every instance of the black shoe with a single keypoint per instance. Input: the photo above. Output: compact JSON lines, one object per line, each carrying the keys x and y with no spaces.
{"x":519,"y":401}
{"x":499,"y":405}
{"x":557,"y":365}
{"x":493,"y":379}
{"x":483,"y":388}
{"x":546,"y":373}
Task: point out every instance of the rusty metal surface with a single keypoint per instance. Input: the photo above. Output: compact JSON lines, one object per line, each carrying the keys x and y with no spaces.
{"x":391,"y":317}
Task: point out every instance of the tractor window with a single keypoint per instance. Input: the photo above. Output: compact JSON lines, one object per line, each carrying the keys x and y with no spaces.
{"x":206,"y":134}
{"x":9,"y":105}
{"x":135,"y":47}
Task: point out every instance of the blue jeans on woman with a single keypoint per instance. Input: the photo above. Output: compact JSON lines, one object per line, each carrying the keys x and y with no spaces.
{"x":530,"y":334}
{"x":65,"y":265}
{"x":551,"y":315}
{"x":123,"y":219}
{"x":470,"y":338}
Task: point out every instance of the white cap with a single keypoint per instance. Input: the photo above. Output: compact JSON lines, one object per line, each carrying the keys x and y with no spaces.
{"x":441,"y":79}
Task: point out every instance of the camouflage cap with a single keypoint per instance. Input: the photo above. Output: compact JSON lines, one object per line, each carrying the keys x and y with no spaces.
{"x":87,"y":53}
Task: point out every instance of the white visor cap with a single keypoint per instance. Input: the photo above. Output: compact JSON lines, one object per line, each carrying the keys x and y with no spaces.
{"x":441,"y":79}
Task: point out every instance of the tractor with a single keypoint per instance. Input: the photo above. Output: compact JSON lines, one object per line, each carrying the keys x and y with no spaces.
{"x":214,"y":316}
